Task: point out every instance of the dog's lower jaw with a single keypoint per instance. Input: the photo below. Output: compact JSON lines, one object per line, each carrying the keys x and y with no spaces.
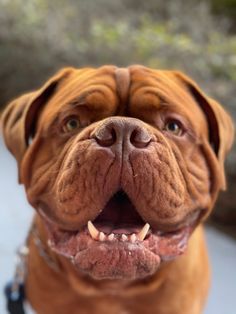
{"x":133,"y":256}
{"x":76,"y":290}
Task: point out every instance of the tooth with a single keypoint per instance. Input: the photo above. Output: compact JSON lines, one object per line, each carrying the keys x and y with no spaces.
{"x":111,"y":237}
{"x":102,"y":236}
{"x":124,"y":237}
{"x":49,"y":243}
{"x":142,"y":234}
{"x":133,"y":238}
{"x":93,"y":230}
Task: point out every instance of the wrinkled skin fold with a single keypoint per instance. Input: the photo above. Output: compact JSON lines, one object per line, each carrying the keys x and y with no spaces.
{"x":120,"y":148}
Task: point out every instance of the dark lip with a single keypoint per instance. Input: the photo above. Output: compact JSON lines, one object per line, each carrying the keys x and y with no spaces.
{"x":119,"y":210}
{"x":161,"y":232}
{"x":91,"y":256}
{"x":55,"y":231}
{"x":132,"y":220}
{"x":163,"y":246}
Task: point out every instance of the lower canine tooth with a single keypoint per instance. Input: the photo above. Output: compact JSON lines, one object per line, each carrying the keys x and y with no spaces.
{"x":93,"y":230}
{"x":102,"y":236}
{"x":142,"y":234}
{"x":111,"y":237}
{"x":124,"y":237}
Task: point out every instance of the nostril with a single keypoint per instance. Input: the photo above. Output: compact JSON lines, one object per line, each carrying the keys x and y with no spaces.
{"x":140,"y":138}
{"x":125,"y":133}
{"x":106,"y":137}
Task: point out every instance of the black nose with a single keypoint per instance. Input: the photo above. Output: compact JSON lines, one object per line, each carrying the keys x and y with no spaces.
{"x":117,"y":130}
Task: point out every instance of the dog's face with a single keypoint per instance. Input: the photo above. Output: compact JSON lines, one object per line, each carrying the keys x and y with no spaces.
{"x":122,"y":165}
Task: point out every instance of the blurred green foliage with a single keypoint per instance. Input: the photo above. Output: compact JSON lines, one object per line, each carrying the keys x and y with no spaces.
{"x":39,"y":36}
{"x":225,"y":8}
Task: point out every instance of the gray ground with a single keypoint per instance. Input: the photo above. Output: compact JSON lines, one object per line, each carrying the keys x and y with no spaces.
{"x":15,"y":217}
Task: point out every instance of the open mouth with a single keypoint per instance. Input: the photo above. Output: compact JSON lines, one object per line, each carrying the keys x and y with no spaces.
{"x":119,"y":221}
{"x":118,"y":243}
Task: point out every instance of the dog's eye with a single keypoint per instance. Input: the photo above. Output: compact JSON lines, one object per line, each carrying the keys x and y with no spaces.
{"x":71,"y":125}
{"x":174,"y":127}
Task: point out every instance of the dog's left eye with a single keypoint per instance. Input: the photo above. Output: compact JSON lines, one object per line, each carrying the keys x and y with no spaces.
{"x":71,"y":125}
{"x":174,"y":127}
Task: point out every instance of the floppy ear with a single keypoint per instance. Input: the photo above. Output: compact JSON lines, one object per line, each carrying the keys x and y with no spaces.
{"x":221,"y":128}
{"x":19,"y":117}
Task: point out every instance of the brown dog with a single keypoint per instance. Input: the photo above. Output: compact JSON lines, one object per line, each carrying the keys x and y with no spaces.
{"x":121,"y":165}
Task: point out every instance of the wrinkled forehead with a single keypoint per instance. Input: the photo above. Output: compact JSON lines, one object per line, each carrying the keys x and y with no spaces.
{"x":154,"y":90}
{"x":94,"y":88}
{"x":139,"y":92}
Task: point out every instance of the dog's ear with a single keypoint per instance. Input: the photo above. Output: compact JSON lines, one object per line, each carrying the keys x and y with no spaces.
{"x":221,"y":128}
{"x":19,"y":117}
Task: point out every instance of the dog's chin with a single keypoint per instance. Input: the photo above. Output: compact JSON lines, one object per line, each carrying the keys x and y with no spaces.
{"x":118,"y":244}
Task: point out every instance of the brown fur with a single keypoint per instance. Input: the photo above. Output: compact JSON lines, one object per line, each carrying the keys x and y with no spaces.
{"x":172,"y":181}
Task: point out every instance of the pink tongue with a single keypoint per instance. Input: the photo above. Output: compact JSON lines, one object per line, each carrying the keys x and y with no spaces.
{"x":117,"y":230}
{"x":125,"y":230}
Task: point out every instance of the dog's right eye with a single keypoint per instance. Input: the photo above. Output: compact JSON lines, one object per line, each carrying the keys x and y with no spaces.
{"x":174,"y":127}
{"x":71,"y":125}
